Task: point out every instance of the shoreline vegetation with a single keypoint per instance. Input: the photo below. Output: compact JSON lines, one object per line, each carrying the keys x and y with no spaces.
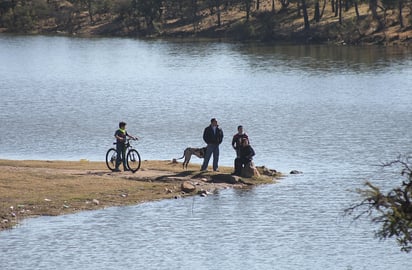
{"x":30,"y":188}
{"x":355,"y":22}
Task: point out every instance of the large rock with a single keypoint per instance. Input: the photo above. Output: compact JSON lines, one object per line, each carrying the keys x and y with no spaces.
{"x":249,"y":171}
{"x":188,"y":187}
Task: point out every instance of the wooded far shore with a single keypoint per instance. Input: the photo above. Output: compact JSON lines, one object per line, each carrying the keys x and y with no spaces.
{"x":354,"y":22}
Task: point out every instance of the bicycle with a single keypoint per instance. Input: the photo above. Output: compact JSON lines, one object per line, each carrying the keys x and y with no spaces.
{"x":133,"y":160}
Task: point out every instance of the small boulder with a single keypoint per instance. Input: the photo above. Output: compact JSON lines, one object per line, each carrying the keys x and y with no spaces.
{"x":266,"y":171}
{"x":188,"y":187}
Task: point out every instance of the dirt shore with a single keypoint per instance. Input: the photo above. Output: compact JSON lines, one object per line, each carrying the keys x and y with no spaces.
{"x":36,"y":188}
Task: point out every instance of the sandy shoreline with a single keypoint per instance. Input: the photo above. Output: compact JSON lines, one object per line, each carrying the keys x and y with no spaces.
{"x":39,"y":187}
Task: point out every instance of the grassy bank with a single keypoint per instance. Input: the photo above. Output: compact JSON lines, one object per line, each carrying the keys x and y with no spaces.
{"x":35,"y":188}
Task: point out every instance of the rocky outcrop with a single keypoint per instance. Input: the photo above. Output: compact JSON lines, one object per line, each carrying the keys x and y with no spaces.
{"x":266,"y":171}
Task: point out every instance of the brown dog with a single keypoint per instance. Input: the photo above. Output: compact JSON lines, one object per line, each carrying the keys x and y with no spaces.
{"x":187,"y":154}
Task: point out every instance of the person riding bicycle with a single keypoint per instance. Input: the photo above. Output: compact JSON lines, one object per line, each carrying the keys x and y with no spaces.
{"x":121,"y":136}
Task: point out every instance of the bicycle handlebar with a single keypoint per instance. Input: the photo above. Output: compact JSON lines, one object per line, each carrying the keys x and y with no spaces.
{"x":129,"y":139}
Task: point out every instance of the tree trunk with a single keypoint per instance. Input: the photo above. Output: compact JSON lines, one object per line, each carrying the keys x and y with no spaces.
{"x":357,"y":11}
{"x":89,"y":7}
{"x":317,"y":11}
{"x":218,"y":12}
{"x":194,"y":15}
{"x":248,"y":6}
{"x":337,"y":8}
{"x":305,"y":15}
{"x":400,"y":5}
{"x":323,"y":8}
{"x":373,"y":6}
{"x":273,"y":6}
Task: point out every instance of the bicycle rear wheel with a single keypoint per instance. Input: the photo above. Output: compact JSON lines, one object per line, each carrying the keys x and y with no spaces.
{"x":133,"y":160}
{"x":111,"y":157}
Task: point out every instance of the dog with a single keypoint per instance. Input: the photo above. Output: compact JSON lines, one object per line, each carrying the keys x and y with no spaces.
{"x":187,"y":154}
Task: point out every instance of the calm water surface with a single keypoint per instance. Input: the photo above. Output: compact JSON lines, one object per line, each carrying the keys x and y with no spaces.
{"x":331,"y":112}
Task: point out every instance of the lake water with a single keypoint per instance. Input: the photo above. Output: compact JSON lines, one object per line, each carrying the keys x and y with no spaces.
{"x":331,"y":112}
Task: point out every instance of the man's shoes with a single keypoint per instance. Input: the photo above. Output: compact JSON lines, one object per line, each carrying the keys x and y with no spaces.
{"x":116,"y":170}
{"x":126,"y":170}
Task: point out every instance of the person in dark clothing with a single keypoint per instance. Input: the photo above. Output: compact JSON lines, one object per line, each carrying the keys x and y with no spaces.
{"x":246,"y":154}
{"x":237,"y":139}
{"x":121,"y":136}
{"x":213,"y":136}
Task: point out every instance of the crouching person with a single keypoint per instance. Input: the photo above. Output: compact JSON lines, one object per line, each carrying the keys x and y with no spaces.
{"x":246,"y":154}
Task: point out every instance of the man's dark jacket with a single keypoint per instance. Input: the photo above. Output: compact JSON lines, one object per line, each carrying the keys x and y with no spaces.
{"x":210,"y":137}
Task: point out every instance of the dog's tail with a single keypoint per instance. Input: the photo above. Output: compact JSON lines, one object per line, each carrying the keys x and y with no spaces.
{"x":180,"y":157}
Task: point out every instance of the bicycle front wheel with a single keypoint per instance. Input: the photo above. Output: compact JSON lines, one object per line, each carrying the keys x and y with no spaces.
{"x":111,"y":157}
{"x":133,"y":160}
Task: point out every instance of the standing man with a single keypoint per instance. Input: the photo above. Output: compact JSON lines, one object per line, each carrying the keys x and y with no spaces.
{"x":213,"y":136}
{"x":237,"y":139}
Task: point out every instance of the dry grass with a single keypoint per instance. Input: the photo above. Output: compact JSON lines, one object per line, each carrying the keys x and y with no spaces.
{"x":30,"y":188}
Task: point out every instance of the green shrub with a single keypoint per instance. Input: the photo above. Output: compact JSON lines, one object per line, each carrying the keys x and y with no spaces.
{"x":242,"y":31}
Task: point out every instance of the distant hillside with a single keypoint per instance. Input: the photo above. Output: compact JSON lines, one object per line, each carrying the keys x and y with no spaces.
{"x":297,"y":21}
